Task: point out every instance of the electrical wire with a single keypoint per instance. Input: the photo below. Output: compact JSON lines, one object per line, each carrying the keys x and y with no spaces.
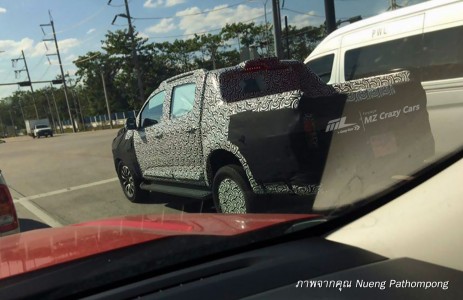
{"x":303,"y":13}
{"x":119,"y":5}
{"x":202,"y":32}
{"x":193,"y":14}
{"x":45,"y":73}
{"x":81,"y":22}
{"x":88,"y":58}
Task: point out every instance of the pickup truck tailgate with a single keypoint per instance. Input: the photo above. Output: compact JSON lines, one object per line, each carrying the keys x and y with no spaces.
{"x":371,"y":134}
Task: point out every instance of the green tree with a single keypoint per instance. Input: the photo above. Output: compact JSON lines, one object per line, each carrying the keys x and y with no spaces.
{"x":302,"y":41}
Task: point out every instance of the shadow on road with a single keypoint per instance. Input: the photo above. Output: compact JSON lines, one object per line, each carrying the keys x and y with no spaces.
{"x":29,"y":224}
{"x":285,"y":204}
{"x":180,"y":203}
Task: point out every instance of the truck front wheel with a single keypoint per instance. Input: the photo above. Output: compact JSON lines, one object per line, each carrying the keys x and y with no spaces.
{"x":130,"y":184}
{"x":231,"y":191}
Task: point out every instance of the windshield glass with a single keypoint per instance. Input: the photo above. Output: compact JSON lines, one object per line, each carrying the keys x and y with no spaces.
{"x":171,"y":108}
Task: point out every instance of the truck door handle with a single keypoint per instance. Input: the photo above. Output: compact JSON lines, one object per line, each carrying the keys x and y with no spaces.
{"x":191,"y":129}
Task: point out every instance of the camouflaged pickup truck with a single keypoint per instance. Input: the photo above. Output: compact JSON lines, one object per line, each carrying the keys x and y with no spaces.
{"x":270,"y":127}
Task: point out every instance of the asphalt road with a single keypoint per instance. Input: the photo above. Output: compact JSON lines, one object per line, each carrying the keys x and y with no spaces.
{"x":70,"y":178}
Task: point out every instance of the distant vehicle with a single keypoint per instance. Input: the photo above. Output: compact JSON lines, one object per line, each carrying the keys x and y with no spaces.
{"x":419,"y":38}
{"x":38,"y":128}
{"x":8,"y":219}
{"x":268,"y":126}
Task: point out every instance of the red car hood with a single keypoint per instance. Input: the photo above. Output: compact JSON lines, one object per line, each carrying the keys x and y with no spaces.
{"x":33,"y":250}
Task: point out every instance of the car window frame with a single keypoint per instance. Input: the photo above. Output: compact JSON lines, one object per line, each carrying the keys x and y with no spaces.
{"x":146,"y":106}
{"x":172,"y":99}
{"x":319,"y":58}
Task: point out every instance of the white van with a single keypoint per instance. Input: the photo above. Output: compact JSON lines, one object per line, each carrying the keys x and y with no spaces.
{"x":426,"y":39}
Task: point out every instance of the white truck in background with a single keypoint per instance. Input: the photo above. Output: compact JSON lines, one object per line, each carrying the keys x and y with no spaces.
{"x":38,"y":128}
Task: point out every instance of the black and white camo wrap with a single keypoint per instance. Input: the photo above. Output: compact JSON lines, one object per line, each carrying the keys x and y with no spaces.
{"x":386,"y":80}
{"x":176,"y":147}
{"x":231,"y":197}
{"x":217,"y":112}
{"x":210,"y":120}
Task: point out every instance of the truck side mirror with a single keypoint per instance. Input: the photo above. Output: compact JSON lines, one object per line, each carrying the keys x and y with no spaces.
{"x":148,"y":122}
{"x":130,"y":123}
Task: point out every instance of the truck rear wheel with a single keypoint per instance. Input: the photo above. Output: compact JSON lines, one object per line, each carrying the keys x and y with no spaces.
{"x":231,"y":191}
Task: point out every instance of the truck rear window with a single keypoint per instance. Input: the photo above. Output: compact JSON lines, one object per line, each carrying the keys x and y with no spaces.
{"x":239,"y":85}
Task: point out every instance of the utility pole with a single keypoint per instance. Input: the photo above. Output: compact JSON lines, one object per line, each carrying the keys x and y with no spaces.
{"x":51,"y":111}
{"x":107,"y":102}
{"x":277,"y":28}
{"x":288,"y":53}
{"x":12,"y":123}
{"x":61,"y":67}
{"x":393,"y":5}
{"x":76,"y":96}
{"x":17,"y":72}
{"x":78,"y":109}
{"x":266,"y":29}
{"x":330,"y":16}
{"x":22,"y":111}
{"x":135,"y":60}
{"x":56,"y":108}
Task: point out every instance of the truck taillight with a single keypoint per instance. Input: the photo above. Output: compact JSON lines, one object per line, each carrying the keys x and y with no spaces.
{"x":261,"y":64}
{"x":310,"y":130}
{"x":8,"y":218}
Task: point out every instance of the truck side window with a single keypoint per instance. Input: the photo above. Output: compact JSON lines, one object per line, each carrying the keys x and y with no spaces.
{"x":377,"y":59}
{"x":322,"y":66}
{"x":152,"y":111}
{"x":183,"y":98}
{"x":443,"y":54}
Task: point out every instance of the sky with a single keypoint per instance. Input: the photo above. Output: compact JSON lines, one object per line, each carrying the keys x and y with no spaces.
{"x":81,"y":25}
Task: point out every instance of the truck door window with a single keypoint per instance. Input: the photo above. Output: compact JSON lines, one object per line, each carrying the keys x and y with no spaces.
{"x":322,"y":66}
{"x":183,"y":98}
{"x":152,"y":111}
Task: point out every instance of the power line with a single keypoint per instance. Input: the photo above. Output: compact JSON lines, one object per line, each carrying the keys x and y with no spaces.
{"x":120,"y":5}
{"x":45,"y":73}
{"x":202,"y":32}
{"x":193,"y":14}
{"x":88,"y":58}
{"x":83,"y":21}
{"x":303,"y":13}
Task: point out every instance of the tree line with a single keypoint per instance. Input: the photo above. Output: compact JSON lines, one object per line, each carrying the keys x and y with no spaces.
{"x":113,"y":65}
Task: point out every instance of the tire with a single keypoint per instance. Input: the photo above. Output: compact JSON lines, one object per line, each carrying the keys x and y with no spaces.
{"x":130,"y":184}
{"x":231,"y":191}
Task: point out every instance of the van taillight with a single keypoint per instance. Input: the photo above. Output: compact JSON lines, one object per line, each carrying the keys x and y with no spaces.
{"x":8,"y":218}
